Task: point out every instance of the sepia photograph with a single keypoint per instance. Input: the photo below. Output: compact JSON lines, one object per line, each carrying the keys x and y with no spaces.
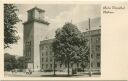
{"x":52,"y":40}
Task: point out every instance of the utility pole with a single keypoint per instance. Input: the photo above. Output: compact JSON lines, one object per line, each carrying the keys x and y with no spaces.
{"x":90,"y":69}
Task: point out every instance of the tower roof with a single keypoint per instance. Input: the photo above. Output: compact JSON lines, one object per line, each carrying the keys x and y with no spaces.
{"x":36,"y":8}
{"x":35,"y":19}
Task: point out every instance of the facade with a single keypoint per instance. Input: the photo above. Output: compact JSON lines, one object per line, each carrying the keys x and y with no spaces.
{"x":34,"y":32}
{"x":38,"y":51}
{"x":47,"y":59}
{"x":46,"y":55}
{"x":95,"y":48}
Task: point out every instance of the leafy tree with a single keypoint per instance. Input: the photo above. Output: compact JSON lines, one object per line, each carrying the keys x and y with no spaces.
{"x":85,"y":59}
{"x":9,"y":62}
{"x":21,"y":62}
{"x":69,"y":45}
{"x":10,"y":20}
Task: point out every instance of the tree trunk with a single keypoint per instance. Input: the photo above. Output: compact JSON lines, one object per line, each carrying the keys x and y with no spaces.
{"x":54,"y":67}
{"x":68,"y":69}
{"x":68,"y":65}
{"x":54,"y":71}
{"x":83,"y":69}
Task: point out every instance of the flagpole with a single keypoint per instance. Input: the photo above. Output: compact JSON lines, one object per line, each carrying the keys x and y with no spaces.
{"x":90,"y":73}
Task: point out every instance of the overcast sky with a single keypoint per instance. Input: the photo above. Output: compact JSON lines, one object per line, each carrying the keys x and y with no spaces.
{"x":57,"y":15}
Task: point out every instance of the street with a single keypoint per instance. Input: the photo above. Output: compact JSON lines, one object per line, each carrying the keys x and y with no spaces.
{"x":46,"y":74}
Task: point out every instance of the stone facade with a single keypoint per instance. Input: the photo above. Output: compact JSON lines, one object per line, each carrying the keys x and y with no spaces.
{"x":95,"y":48}
{"x":34,"y":32}
{"x":46,"y":55}
{"x":47,"y":59}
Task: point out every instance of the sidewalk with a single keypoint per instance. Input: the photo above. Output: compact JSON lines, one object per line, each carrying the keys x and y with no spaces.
{"x":47,"y":74}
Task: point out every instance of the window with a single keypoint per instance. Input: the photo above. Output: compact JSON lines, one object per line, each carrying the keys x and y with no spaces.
{"x":29,"y":52}
{"x":46,"y":65}
{"x":92,"y":55}
{"x":98,"y":55}
{"x":42,"y":54}
{"x":98,"y":48}
{"x":98,"y":64}
{"x":46,"y":59}
{"x":42,"y":59}
{"x":91,"y":39}
{"x":51,"y":65}
{"x":60,"y":65}
{"x":42,"y":66}
{"x":28,"y":43}
{"x":91,"y":64}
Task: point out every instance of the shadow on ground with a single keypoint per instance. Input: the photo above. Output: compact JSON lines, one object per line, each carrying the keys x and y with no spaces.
{"x":60,"y":75}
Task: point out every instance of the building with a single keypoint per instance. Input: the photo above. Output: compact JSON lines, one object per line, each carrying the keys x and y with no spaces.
{"x":95,"y":48}
{"x":34,"y":31}
{"x":46,"y":55}
{"x":38,"y":51}
{"x":47,"y":59}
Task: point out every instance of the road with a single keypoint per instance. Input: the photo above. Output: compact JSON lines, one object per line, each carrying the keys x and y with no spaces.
{"x":46,"y":74}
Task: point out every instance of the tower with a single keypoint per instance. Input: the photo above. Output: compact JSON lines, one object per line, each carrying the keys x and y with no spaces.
{"x":34,"y":31}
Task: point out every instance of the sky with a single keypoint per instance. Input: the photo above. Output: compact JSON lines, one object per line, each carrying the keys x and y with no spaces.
{"x":57,"y":15}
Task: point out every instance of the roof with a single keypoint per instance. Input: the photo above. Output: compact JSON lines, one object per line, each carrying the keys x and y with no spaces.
{"x":36,"y":8}
{"x":93,"y":32}
{"x":49,"y":41}
{"x":37,"y":20}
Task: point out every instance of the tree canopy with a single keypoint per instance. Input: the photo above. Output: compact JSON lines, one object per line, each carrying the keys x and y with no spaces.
{"x":70,"y":45}
{"x":9,"y":62}
{"x":10,"y":20}
{"x":21,"y":62}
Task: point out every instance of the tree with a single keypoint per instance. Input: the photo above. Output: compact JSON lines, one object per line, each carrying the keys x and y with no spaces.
{"x":85,"y":59}
{"x":69,"y":45}
{"x":9,"y":62}
{"x":21,"y":62}
{"x":10,"y":20}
